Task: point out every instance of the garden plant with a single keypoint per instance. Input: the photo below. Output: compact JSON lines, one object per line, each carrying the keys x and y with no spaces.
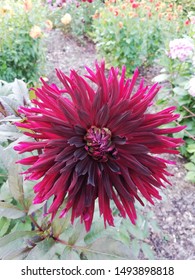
{"x":85,"y":159}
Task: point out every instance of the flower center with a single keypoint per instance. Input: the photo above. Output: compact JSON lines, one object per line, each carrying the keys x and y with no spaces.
{"x":99,"y":144}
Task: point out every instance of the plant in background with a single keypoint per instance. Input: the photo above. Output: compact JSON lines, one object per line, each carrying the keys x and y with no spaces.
{"x":12,"y":96}
{"x":81,"y":13}
{"x":133,"y":32}
{"x":21,"y":48}
{"x":179,"y":74}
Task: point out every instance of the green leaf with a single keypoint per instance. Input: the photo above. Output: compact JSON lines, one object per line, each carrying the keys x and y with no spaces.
{"x":44,"y":250}
{"x":34,"y":207}
{"x":107,"y":249}
{"x":11,"y":118}
{"x":135,"y":247}
{"x":77,"y":232}
{"x":70,"y":254}
{"x":15,"y":182}
{"x":147,"y":251}
{"x":180,"y":91}
{"x":190,"y":166}
{"x":4,"y":225}
{"x":8,"y":132}
{"x":190,"y":176}
{"x":10,"y":211}
{"x":59,"y":225}
{"x":155,"y":226}
{"x":13,"y":243}
{"x":97,"y":231}
{"x":20,"y":91}
{"x":161,"y":78}
{"x":191,"y":148}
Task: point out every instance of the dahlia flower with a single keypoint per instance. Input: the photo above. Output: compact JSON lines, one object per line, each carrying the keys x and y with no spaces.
{"x":66,"y":19}
{"x":96,"y":142}
{"x":181,"y":48}
{"x":35,"y":32}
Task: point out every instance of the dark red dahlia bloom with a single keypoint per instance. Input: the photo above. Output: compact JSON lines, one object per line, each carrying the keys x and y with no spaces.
{"x":96,"y":143}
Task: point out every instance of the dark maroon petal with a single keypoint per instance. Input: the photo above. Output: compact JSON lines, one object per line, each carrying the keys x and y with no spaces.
{"x":113,"y":166}
{"x":79,"y":130}
{"x":91,"y":173}
{"x":80,"y":153}
{"x":102,"y":116}
{"x":83,"y":166}
{"x":134,"y":148}
{"x":77,"y":141}
{"x":119,"y":140}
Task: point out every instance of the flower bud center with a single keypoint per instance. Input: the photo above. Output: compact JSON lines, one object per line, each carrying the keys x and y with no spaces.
{"x":99,"y":143}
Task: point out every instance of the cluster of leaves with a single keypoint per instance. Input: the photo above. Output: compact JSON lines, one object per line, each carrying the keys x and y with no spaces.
{"x":25,"y":231}
{"x":21,"y":56}
{"x":175,"y":76}
{"x":81,"y":14}
{"x":132,"y":32}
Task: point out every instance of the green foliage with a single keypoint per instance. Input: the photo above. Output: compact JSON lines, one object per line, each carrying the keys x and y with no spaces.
{"x":21,"y":50}
{"x":125,"y":34}
{"x":81,"y":17}
{"x":176,"y":75}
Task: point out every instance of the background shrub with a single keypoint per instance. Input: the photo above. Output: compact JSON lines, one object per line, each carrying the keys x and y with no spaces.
{"x":21,"y":50}
{"x":132,"y":33}
{"x":81,"y":16}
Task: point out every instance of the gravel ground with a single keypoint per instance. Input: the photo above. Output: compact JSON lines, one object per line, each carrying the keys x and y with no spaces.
{"x":176,"y":213}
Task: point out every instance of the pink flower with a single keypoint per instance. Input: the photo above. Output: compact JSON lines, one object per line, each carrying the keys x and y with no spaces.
{"x":181,"y":48}
{"x":97,"y":143}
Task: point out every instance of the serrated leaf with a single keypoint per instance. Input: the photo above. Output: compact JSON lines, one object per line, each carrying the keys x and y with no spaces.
{"x":10,"y":211}
{"x":15,"y":182}
{"x":97,"y":231}
{"x":107,"y":249}
{"x":147,"y":251}
{"x":12,"y":243}
{"x":44,"y":250}
{"x":70,"y":254}
{"x":77,"y":232}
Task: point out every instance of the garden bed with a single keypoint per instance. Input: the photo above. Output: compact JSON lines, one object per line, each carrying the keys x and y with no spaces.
{"x":176,"y":214}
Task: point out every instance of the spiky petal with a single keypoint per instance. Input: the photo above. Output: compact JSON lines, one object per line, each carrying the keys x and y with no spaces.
{"x":97,"y":143}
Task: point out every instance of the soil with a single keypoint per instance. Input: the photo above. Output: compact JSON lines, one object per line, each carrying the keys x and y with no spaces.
{"x":175,"y":215}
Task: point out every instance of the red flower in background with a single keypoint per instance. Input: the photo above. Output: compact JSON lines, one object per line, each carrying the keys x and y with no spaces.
{"x":97,"y":143}
{"x":90,"y":1}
